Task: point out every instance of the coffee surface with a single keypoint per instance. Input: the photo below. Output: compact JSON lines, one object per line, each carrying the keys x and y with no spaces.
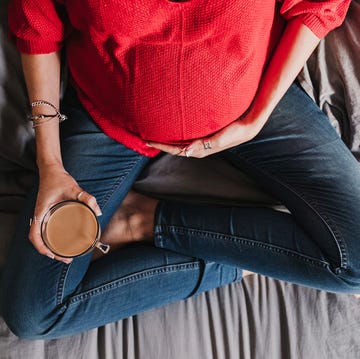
{"x":71,"y":229}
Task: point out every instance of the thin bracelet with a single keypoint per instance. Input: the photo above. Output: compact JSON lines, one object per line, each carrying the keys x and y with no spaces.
{"x":40,"y":117}
{"x":60,"y":116}
{"x":39,"y":123}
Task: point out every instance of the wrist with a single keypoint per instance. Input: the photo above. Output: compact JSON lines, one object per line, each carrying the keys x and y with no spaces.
{"x":50,"y":165}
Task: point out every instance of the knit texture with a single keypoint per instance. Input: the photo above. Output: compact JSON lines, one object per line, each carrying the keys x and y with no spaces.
{"x":155,"y":70}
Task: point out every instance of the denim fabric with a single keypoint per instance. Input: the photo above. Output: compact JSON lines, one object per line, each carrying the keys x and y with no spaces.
{"x":297,"y":156}
{"x":300,"y":159}
{"x":42,"y":298}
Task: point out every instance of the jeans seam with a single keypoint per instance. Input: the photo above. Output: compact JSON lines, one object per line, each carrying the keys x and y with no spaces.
{"x":133,"y":164}
{"x":158,"y":239}
{"x":116,"y":185}
{"x":333,"y":229}
{"x":242,"y":240}
{"x":336,"y":235}
{"x":131,"y":278}
{"x":61,"y":284}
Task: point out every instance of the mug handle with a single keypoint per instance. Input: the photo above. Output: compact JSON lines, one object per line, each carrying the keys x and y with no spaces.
{"x":103,"y":247}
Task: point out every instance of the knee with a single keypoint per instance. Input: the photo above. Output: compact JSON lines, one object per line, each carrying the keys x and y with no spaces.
{"x":348,"y":279}
{"x":18,"y":323}
{"x":23,"y":318}
{"x":344,"y":259}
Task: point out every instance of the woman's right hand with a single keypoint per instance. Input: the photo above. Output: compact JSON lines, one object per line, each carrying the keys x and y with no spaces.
{"x":56,"y":185}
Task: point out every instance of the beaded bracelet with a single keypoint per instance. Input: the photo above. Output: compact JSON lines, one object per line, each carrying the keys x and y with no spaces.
{"x":39,"y":120}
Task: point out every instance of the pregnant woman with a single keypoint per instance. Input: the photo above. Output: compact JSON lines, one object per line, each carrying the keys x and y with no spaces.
{"x":190,"y":78}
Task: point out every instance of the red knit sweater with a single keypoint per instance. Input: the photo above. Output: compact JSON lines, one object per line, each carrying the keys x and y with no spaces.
{"x":161,"y":70}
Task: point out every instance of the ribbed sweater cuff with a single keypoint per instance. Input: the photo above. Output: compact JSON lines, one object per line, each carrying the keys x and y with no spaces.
{"x":317,"y":26}
{"x":36,"y":47}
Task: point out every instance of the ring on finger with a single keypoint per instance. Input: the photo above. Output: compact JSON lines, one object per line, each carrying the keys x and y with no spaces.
{"x":34,"y":220}
{"x":79,"y":195}
{"x":207,"y":144}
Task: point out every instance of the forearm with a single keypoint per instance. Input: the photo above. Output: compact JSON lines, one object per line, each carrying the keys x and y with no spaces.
{"x":294,"y":48}
{"x":42,"y":76}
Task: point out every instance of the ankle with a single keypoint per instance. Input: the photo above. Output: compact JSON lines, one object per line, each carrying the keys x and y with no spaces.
{"x":132,"y":222}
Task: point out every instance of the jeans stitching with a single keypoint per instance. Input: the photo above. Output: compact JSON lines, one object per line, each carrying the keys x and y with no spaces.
{"x":242,"y":240}
{"x":333,"y":229}
{"x":336,"y":235}
{"x":61,"y":284}
{"x":131,"y":278}
{"x":117,"y":183}
{"x":158,"y":239}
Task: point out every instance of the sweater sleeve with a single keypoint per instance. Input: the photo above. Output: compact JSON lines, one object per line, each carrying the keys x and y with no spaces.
{"x":320,"y":16}
{"x":37,"y":26}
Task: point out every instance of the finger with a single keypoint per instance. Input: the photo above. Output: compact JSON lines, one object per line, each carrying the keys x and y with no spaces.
{"x":173,"y":150}
{"x":79,"y":195}
{"x":36,"y":239}
{"x":35,"y":235}
{"x":200,"y":148}
{"x":90,"y":200}
{"x":64,"y":260}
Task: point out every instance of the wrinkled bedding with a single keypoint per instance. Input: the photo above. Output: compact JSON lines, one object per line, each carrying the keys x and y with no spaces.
{"x":331,"y":78}
{"x":258,"y":318}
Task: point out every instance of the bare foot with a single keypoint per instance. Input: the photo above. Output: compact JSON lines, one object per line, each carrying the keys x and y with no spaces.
{"x":133,"y":221}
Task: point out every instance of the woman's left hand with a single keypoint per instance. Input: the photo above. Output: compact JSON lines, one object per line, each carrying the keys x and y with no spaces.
{"x":239,"y":131}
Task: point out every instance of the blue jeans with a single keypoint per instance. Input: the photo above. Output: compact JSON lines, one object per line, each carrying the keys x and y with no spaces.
{"x":297,"y":156}
{"x":43,"y":299}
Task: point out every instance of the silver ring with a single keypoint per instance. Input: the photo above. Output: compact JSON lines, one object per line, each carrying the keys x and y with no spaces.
{"x":207,"y":144}
{"x":34,"y":220}
{"x":79,"y":195}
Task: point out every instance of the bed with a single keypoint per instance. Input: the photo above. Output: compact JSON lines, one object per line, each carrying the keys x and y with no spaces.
{"x":257,"y":318}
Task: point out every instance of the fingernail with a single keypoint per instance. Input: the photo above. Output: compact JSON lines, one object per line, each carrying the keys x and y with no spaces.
{"x":50,"y":255}
{"x":98,"y":212}
{"x":148,"y":144}
{"x":67,"y":261}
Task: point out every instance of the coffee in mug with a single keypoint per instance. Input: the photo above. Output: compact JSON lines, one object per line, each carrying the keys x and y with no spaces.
{"x":71,"y":229}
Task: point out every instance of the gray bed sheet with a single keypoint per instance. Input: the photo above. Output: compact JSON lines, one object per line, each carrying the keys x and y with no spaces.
{"x":331,"y":78}
{"x":257,"y":318}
